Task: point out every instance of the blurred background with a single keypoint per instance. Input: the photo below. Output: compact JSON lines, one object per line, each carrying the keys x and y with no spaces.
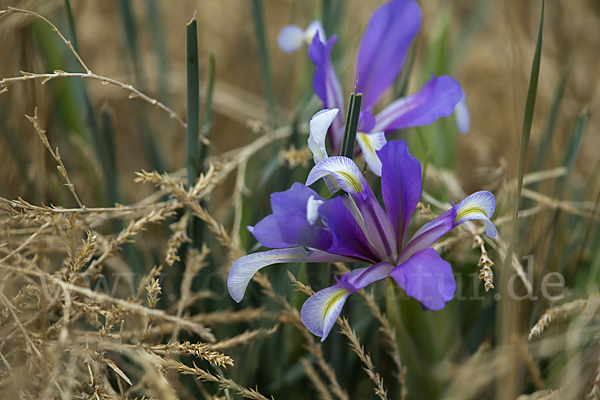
{"x":487,"y":45}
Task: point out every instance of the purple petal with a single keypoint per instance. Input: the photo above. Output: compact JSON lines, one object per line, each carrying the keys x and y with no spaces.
{"x":479,"y":205}
{"x":436,"y":99}
{"x":293,"y":200}
{"x":383,"y":47}
{"x":366,"y":121}
{"x":427,"y":278}
{"x":290,"y":38}
{"x":287,"y":230}
{"x":379,"y":230}
{"x":327,"y":86}
{"x":428,"y":234}
{"x":321,"y":309}
{"x":244,"y":268}
{"x":400,"y":184}
{"x":349,"y":238}
{"x":362,"y":277}
{"x":461,"y":113}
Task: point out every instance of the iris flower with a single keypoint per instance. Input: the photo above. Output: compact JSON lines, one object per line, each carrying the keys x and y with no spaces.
{"x":354,"y":227}
{"x":380,"y":58}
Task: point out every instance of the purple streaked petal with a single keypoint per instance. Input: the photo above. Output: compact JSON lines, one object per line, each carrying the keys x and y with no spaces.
{"x":321,"y":309}
{"x":244,"y":268}
{"x":479,"y":205}
{"x":383,"y":47}
{"x":286,"y":230}
{"x":345,"y":172}
{"x":428,"y":234}
{"x":427,"y":278}
{"x":363,"y":277}
{"x":293,"y":200}
{"x":438,"y":98}
{"x":290,"y":38}
{"x":369,"y":144}
{"x":349,"y":237}
{"x":327,"y":86}
{"x":400,"y":184}
{"x":379,"y":230}
{"x":319,"y":124}
{"x":461,"y":114}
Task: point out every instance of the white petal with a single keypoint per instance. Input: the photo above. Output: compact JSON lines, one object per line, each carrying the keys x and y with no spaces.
{"x":321,"y":310}
{"x":346,"y":174}
{"x":290,"y":38}
{"x":312,"y":209}
{"x":244,"y":268}
{"x":370,"y":143}
{"x":319,"y":124}
{"x":479,"y":205}
{"x":461,"y":113}
{"x":312,"y":30}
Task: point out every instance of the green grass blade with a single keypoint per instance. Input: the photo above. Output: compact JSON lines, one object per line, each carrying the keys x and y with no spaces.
{"x":261,"y":38}
{"x":351,"y":127}
{"x":193,"y":100}
{"x":71,"y":25}
{"x":155,"y":29}
{"x":505,"y":326}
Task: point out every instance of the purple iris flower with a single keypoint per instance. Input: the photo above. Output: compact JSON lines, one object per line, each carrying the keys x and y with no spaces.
{"x":354,"y":227}
{"x":381,"y":55}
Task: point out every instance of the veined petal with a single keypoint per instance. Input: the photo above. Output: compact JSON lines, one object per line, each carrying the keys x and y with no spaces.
{"x":244,"y":268}
{"x":327,"y":86}
{"x":383,"y":48}
{"x":290,"y":38}
{"x":346,"y":174}
{"x":369,"y":144}
{"x":428,"y":234}
{"x":479,"y":205}
{"x":312,"y":209}
{"x":461,"y":114}
{"x":319,"y":124}
{"x":400,"y":185}
{"x":321,"y":309}
{"x":438,"y":98}
{"x":348,"y":229}
{"x":427,"y":278}
{"x":311,"y":31}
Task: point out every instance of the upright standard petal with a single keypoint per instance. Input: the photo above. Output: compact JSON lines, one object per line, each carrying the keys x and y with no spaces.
{"x":345,"y":172}
{"x":461,"y":114}
{"x":321,"y":309}
{"x":400,"y":184}
{"x":290,"y":38}
{"x":327,"y":85}
{"x":427,"y":278}
{"x":244,"y":268}
{"x":319,"y":124}
{"x":479,"y":205}
{"x":438,"y":98}
{"x":383,"y":48}
{"x":369,"y":144}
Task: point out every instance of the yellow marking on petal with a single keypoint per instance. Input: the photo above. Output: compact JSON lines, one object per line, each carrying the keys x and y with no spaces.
{"x":334,"y":299}
{"x":367,"y":142}
{"x":351,"y":179}
{"x":470,"y":210}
